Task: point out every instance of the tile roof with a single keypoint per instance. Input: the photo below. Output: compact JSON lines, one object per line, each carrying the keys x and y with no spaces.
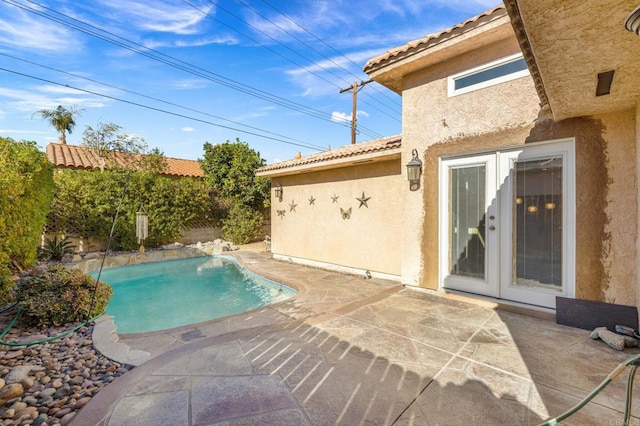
{"x":432,"y":39}
{"x":82,"y":157}
{"x":391,"y":143}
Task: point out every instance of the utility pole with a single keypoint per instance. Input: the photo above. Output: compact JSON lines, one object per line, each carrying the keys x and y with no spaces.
{"x":355,"y":87}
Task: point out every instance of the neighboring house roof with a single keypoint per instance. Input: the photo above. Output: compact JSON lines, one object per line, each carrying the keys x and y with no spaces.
{"x":364,"y":152}
{"x":82,"y":157}
{"x":398,"y":54}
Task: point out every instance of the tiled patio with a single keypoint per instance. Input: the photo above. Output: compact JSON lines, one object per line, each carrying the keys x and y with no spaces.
{"x":352,"y":351}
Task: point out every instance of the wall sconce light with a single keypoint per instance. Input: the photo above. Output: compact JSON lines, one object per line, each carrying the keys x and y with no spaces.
{"x":632,"y":23}
{"x":518,"y":200}
{"x":278,"y":191}
{"x":550,"y":206}
{"x":414,"y":170}
{"x":532,"y":209}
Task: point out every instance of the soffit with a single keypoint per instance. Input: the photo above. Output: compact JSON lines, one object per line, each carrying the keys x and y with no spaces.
{"x":570,"y":42}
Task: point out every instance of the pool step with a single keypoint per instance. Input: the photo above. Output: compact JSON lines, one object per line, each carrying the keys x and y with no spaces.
{"x":105,"y":340}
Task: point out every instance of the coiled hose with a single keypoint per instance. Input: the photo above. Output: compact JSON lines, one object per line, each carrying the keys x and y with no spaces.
{"x":632,"y":362}
{"x":37,"y":342}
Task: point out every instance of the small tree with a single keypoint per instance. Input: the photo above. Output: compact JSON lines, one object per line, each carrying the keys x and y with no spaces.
{"x":61,"y":119}
{"x":241,"y":195}
{"x":121,"y":151}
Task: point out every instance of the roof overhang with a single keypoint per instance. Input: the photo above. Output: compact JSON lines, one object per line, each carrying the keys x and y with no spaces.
{"x":568,"y":43}
{"x":385,"y":149}
{"x":487,"y":28}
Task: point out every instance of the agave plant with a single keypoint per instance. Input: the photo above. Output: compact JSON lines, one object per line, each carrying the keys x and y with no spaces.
{"x":54,"y":250}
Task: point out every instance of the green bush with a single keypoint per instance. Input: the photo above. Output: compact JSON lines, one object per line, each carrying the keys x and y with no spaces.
{"x":57,"y":295}
{"x":6,"y":285}
{"x":242,"y":224}
{"x":86,"y":202}
{"x":26,"y":186}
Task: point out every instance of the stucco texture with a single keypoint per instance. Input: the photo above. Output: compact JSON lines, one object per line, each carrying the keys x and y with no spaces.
{"x":323,"y":230}
{"x":431,"y":118}
{"x":606,"y":203}
{"x":606,"y":198}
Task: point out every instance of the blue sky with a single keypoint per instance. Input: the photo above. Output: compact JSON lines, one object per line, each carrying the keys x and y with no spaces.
{"x":266,"y":71}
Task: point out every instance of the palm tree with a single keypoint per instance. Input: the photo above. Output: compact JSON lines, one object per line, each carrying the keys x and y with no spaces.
{"x":61,"y":119}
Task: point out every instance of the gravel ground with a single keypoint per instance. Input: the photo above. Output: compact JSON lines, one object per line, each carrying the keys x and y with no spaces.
{"x":47,"y":383}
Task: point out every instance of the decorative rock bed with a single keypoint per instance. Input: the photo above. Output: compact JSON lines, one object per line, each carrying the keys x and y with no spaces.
{"x":47,"y":383}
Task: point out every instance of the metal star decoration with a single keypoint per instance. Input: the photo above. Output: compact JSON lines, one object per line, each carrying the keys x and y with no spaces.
{"x":312,"y":201}
{"x":292,"y":206}
{"x":334,"y":198}
{"x":363,"y":200}
{"x":281,"y":213}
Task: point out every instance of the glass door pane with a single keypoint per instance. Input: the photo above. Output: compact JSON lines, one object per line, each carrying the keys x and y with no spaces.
{"x":537,"y":223}
{"x":467,"y":215}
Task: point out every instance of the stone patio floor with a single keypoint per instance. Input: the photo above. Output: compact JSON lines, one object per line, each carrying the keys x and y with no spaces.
{"x":351,"y":351}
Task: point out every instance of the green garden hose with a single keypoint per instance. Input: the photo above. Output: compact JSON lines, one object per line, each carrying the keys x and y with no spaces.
{"x":633,"y":362}
{"x":37,"y":342}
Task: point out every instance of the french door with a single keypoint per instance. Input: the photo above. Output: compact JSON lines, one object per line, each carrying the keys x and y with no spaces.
{"x":507,"y":223}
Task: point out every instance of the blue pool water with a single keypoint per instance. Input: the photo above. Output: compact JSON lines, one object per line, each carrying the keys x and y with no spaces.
{"x":162,"y":295}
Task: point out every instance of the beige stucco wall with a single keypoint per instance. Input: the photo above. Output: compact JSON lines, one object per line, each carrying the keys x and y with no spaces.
{"x":606,"y":203}
{"x":368,"y":240}
{"x":429,"y":118}
{"x":606,"y":199}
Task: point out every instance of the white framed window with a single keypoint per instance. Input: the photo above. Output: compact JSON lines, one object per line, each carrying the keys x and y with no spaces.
{"x":489,"y":74}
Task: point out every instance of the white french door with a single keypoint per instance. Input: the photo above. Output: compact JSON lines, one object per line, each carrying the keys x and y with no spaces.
{"x":507,"y":223}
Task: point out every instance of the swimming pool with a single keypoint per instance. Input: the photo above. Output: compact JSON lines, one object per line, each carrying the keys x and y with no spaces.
{"x":169,"y":294}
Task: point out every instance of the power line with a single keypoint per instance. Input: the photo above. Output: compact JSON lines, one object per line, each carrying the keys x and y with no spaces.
{"x":158,"y":109}
{"x":176,"y":63}
{"x":149,"y":97}
{"x":299,"y":54}
{"x":293,"y":21}
{"x":206,"y":13}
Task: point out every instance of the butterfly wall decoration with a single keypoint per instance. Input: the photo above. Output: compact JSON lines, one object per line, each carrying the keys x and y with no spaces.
{"x":281,"y":213}
{"x":346,"y":214}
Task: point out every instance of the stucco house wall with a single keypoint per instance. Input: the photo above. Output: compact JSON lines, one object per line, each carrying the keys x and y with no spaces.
{"x":430,"y":117}
{"x":308,"y":226}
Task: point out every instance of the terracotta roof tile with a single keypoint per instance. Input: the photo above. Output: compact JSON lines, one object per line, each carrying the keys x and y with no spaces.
{"x":431,"y":39}
{"x":81,"y":157}
{"x":352,"y":150}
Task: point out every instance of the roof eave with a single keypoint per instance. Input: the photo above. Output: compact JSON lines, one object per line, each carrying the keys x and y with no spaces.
{"x":525,"y":45}
{"x":389,"y":68}
{"x":386,"y":155}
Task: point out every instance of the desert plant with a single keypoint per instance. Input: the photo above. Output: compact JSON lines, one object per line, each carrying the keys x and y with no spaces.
{"x":56,"y":295}
{"x":54,"y":250}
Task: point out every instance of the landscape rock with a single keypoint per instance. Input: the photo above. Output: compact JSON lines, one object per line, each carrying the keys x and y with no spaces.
{"x":47,"y":383}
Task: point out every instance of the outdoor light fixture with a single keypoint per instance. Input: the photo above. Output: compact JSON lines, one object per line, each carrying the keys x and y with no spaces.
{"x":632,"y":23}
{"x":414,"y":170}
{"x":278,"y":192}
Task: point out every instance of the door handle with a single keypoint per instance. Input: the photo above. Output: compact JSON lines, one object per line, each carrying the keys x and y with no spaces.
{"x":492,"y":228}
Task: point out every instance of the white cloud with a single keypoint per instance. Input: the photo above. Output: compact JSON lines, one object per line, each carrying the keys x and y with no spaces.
{"x":160,"y":16}
{"x":188,"y":129}
{"x":39,"y":98}
{"x":345,"y":117}
{"x":24,"y":31}
{"x":340,"y":117}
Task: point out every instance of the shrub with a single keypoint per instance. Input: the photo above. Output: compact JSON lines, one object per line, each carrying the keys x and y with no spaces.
{"x":242,"y":224}
{"x":57,"y":295}
{"x":54,"y":250}
{"x":6,"y":285}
